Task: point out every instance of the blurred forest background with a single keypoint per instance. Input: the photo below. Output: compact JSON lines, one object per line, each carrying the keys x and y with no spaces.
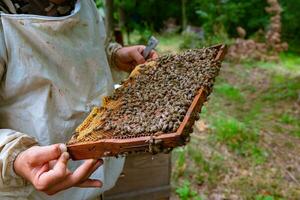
{"x":217,"y":19}
{"x":246,"y":144}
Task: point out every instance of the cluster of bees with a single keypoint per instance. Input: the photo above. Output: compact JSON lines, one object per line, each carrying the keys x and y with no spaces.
{"x":157,"y":99}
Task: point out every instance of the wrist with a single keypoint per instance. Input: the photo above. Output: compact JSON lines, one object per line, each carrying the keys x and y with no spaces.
{"x":111,"y":50}
{"x":114,"y":57}
{"x":17,"y":164}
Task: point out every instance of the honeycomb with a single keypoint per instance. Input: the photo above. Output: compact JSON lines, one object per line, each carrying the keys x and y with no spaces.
{"x":154,"y":99}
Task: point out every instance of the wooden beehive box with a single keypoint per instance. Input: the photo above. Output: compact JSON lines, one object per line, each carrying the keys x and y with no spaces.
{"x":144,"y":177}
{"x":88,"y":143}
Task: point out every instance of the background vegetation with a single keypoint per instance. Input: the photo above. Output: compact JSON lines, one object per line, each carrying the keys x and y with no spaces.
{"x":218,"y":18}
{"x":247,"y":142}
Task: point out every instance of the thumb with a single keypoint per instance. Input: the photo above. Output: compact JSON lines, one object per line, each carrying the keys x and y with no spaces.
{"x":41,"y":155}
{"x":137,"y":57}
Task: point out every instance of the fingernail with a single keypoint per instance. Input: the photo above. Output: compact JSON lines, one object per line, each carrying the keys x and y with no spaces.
{"x":63,"y":148}
{"x":66,"y":155}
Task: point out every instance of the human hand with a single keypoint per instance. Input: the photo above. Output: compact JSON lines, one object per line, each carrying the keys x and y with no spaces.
{"x":46,"y":168}
{"x":127,"y":58}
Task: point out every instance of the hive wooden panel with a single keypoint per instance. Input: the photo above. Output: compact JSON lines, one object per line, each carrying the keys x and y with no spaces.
{"x":145,"y":177}
{"x":110,"y":146}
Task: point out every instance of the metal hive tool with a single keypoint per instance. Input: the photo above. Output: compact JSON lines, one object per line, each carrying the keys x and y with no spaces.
{"x":98,"y":137}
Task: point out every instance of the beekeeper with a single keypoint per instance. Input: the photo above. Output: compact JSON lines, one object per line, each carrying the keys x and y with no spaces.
{"x":53,"y":71}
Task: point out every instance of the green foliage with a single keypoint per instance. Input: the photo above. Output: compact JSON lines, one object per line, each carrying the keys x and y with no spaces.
{"x":230,"y":14}
{"x":290,"y":25}
{"x":191,"y":41}
{"x":290,"y":61}
{"x":214,"y":16}
{"x":99,"y":3}
{"x":140,"y":36}
{"x":142,"y":15}
{"x":186,"y":193}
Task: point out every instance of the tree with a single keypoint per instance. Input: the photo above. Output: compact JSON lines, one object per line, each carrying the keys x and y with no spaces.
{"x":109,"y":17}
{"x":184,"y":18}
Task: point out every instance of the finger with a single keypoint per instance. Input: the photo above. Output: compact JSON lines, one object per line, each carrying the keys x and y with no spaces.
{"x":95,"y":167}
{"x":83,"y":170}
{"x":40,"y":170}
{"x":57,"y":174}
{"x":90,"y":183}
{"x":52,"y":163}
{"x":77,"y":176}
{"x":141,"y":48}
{"x":74,"y":178}
{"x":68,"y":172}
{"x":137,"y":57}
{"x":61,"y":164}
{"x":40,"y":155}
{"x":153,"y":54}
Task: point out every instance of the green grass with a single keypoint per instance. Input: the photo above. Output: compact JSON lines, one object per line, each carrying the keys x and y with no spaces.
{"x":241,"y":114}
{"x":238,"y":136}
{"x":255,"y":187}
{"x":169,"y":43}
{"x":228,"y":91}
{"x":208,"y":170}
{"x":292,"y":121}
{"x":179,"y":153}
{"x":288,"y":62}
{"x":266,"y":197}
{"x":258,"y":155}
{"x":253,"y":115}
{"x":185,"y":192}
{"x":282,"y":87}
{"x":287,"y":118}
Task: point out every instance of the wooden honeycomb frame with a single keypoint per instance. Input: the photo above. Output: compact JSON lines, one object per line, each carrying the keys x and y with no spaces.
{"x":155,"y":143}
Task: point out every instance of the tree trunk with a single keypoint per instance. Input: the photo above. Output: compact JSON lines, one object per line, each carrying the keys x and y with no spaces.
{"x":109,"y":18}
{"x":183,"y":13}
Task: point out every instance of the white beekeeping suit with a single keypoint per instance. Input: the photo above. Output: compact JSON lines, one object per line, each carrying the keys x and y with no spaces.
{"x":53,"y":70}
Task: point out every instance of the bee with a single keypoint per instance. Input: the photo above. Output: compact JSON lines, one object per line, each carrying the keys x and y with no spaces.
{"x":157,"y":99}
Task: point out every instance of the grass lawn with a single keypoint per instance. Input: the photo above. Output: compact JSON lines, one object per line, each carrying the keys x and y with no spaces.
{"x":247,"y":142}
